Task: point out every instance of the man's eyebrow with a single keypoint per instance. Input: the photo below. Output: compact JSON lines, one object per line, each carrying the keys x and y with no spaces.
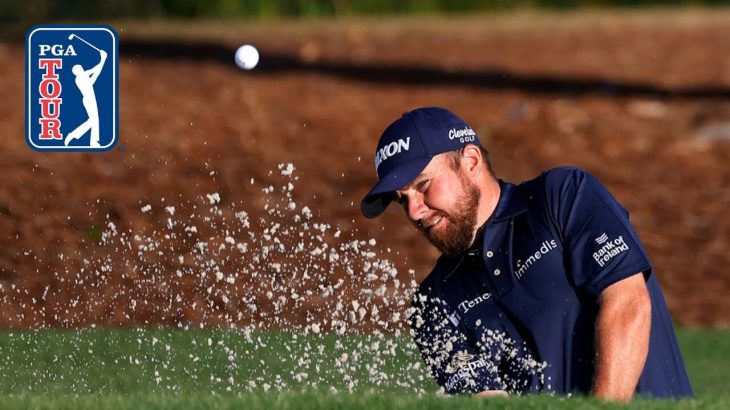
{"x":422,"y":176}
{"x":415,"y":181}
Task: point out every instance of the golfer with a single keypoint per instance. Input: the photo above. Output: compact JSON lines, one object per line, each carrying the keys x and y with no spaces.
{"x":542,"y":286}
{"x":85,"y":80}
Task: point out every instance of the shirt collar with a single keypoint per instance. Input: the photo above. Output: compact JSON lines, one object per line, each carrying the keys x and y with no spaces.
{"x":511,"y":203}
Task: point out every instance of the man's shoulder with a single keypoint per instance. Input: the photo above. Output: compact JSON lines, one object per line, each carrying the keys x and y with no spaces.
{"x":557,"y":183}
{"x":436,"y":274}
{"x":429,"y":299}
{"x":557,"y":177}
{"x":430,"y":284}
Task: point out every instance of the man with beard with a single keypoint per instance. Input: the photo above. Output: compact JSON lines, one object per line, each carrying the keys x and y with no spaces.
{"x":541,"y":287}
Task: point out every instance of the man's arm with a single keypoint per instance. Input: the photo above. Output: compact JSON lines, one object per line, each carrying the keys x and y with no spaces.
{"x":491,"y":393}
{"x":97,"y":69}
{"x":622,"y":338}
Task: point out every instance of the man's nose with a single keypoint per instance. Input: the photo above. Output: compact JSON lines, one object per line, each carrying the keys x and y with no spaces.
{"x":416,"y":207}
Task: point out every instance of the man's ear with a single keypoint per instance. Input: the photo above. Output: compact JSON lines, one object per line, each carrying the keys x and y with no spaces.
{"x":471,"y":160}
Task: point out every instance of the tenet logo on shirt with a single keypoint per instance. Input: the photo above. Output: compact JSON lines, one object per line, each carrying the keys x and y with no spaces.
{"x":467,"y":305}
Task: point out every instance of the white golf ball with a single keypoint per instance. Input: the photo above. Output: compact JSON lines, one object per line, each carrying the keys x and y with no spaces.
{"x":247,"y":57}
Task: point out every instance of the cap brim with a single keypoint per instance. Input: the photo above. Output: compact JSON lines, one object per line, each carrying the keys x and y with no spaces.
{"x":381,"y":195}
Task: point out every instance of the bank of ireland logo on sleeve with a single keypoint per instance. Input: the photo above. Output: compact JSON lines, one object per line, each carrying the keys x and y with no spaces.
{"x":72,"y":83}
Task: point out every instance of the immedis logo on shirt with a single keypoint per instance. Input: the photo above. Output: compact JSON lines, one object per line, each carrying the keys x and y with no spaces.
{"x":71,"y":88}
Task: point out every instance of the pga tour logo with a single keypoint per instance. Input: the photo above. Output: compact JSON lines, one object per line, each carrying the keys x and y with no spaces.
{"x":71,"y":81}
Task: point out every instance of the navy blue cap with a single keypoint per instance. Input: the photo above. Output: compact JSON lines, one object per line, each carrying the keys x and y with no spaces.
{"x":407,"y":146}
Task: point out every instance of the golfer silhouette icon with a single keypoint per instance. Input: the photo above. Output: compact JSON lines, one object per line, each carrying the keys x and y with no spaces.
{"x":85,"y":80}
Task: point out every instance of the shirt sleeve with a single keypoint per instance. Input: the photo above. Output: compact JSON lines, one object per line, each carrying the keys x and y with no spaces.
{"x":599,"y":244}
{"x":453,"y":363}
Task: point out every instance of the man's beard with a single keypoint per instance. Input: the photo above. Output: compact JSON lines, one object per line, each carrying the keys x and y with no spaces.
{"x":457,"y":236}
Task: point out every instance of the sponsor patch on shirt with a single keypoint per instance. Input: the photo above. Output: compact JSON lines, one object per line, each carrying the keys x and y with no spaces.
{"x":467,"y":305}
{"x":464,"y":366}
{"x":454,"y":318}
{"x":545,"y":248}
{"x":609,"y":249}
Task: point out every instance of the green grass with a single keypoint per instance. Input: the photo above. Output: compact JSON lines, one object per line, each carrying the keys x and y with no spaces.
{"x":310,"y":400}
{"x":216,"y":369}
{"x":211,"y":361}
{"x":707,"y":358}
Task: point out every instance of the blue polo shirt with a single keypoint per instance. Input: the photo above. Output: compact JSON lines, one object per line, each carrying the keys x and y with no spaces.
{"x":517,"y":311}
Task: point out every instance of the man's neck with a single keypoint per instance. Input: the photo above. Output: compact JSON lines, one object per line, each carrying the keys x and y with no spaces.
{"x":488,"y":201}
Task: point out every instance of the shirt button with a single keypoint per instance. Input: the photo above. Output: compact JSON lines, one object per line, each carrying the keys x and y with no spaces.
{"x":490,"y":254}
{"x":497,"y":272}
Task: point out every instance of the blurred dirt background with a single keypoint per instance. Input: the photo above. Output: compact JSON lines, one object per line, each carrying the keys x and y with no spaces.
{"x":641,"y":100}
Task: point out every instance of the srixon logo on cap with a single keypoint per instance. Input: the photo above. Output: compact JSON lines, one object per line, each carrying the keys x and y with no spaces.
{"x":71,"y":81}
{"x":394,"y":148}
